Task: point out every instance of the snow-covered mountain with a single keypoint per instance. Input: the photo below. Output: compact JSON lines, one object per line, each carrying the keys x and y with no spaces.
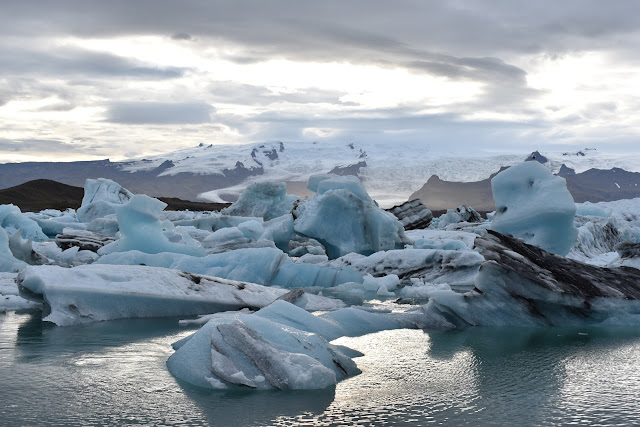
{"x":390,"y":172}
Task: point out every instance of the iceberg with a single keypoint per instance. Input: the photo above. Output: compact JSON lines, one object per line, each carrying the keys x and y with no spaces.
{"x":91,"y":293}
{"x":279,"y":347}
{"x":412,"y":214}
{"x":343,"y":217}
{"x":265,"y":266}
{"x":142,"y":229}
{"x":9,"y":298}
{"x":523,"y":285}
{"x":12,"y":220}
{"x":455,"y":267}
{"x":101,"y":197}
{"x":265,"y":199}
{"x":534,"y":205}
{"x":8,"y":262}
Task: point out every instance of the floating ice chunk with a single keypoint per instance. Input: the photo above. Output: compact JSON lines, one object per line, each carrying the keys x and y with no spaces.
{"x":105,"y":190}
{"x":534,"y":205}
{"x":90,"y":293}
{"x":349,"y":183}
{"x":590,"y":209}
{"x":52,"y":221}
{"x":107,"y":225}
{"x":12,"y":220}
{"x":314,"y":181}
{"x":142,"y":229}
{"x":265,"y":266}
{"x":598,"y":236}
{"x":458,"y":268}
{"x":215,"y":221}
{"x":344,"y":219}
{"x":536,"y":288}
{"x":8,"y":262}
{"x":279,"y":230}
{"x":9,"y":299}
{"x":382,"y":285}
{"x":101,"y":197}
{"x":444,"y":236}
{"x":462,"y":213}
{"x":85,"y":240}
{"x":445,"y":244}
{"x":412,"y":214}
{"x":281,"y":346}
{"x":23,"y":250}
{"x":232,"y":238}
{"x":266,"y":199}
{"x":249,"y":351}
{"x":301,"y":245}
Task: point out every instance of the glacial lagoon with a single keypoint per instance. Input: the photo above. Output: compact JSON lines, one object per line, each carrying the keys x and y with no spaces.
{"x":114,"y":373}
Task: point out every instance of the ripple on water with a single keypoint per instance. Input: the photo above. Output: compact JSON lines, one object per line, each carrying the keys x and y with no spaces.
{"x":114,"y":373}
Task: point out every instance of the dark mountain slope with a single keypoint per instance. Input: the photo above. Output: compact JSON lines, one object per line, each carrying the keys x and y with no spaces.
{"x":43,"y":194}
{"x":593,"y":185}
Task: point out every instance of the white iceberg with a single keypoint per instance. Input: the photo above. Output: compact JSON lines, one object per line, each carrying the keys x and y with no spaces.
{"x":279,"y":347}
{"x":91,"y":293}
{"x":101,"y":197}
{"x":345,"y":219}
{"x":534,"y":205}
{"x":143,"y":229}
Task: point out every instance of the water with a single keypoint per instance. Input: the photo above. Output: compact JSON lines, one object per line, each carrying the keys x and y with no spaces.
{"x":114,"y":373}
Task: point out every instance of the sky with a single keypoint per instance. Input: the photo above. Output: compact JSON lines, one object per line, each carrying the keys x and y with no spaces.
{"x":122,"y":79}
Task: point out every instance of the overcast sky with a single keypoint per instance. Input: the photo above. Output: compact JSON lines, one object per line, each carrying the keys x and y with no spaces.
{"x":119,"y":79}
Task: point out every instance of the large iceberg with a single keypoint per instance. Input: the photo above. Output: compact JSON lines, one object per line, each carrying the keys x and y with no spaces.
{"x":523,"y":285}
{"x":343,"y":217}
{"x":101,"y":197}
{"x":91,"y":293}
{"x":279,"y":347}
{"x":265,"y":266}
{"x":534,"y":205}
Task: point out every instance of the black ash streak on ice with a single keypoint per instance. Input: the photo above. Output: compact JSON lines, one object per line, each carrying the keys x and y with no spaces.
{"x":539,"y":288}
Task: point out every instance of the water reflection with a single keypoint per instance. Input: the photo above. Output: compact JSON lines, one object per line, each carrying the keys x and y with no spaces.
{"x":115,"y":373}
{"x":251,"y":408}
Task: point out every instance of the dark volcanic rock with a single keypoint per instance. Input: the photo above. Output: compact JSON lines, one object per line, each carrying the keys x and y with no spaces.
{"x":537,"y":157}
{"x":349,"y":170}
{"x":413,"y":214}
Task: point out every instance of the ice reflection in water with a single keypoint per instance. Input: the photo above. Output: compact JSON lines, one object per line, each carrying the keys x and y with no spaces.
{"x":114,"y":373}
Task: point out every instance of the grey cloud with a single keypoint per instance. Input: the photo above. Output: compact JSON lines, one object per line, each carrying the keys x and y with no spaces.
{"x":160,"y":113}
{"x":39,"y":146}
{"x":468,"y":27}
{"x":238,"y":93}
{"x":77,"y":62}
{"x":181,"y":36}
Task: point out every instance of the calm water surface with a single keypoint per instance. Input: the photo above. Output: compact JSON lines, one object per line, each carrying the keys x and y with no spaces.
{"x":114,"y":373}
